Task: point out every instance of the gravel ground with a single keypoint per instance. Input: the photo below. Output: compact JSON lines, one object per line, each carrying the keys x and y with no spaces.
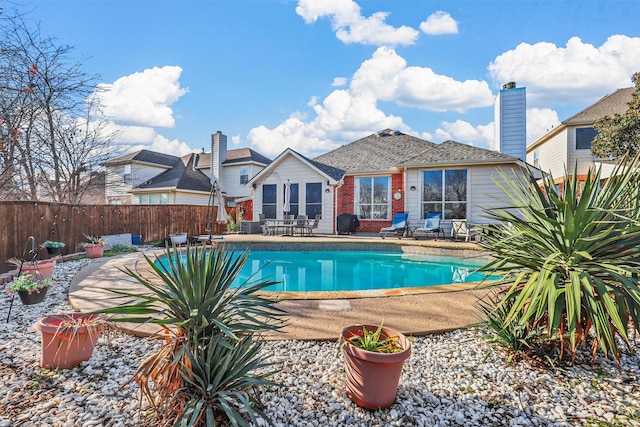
{"x":452,"y":379}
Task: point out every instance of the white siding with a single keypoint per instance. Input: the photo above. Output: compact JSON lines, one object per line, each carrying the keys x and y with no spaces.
{"x":299,"y":173}
{"x":510,"y":127}
{"x":552,"y":154}
{"x":482,"y":192}
{"x":583,"y":157}
{"x":186,"y":198}
{"x":231,"y":179}
{"x":115,"y":185}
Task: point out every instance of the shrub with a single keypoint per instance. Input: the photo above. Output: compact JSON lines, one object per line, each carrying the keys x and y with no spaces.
{"x":571,"y":258}
{"x":209,"y":365}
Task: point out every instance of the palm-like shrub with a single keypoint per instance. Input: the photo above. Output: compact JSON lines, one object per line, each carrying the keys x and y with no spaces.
{"x":570,"y":258}
{"x":210,"y":361}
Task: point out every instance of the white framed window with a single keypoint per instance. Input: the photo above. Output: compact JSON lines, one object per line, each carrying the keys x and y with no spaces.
{"x":143,"y":199}
{"x":444,"y":191}
{"x":126,"y":174}
{"x":373,"y":197}
{"x":244,"y":174}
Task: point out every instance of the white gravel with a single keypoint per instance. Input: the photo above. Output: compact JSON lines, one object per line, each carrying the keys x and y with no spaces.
{"x":452,"y":379}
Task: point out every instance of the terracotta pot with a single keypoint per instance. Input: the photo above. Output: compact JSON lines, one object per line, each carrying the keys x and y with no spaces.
{"x":35,"y":297}
{"x":94,"y":250}
{"x":372,"y":378}
{"x":66,"y":346}
{"x":42,"y":269}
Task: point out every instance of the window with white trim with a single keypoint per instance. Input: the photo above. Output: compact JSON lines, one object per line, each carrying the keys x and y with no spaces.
{"x":373,"y":197}
{"x":445,"y":192}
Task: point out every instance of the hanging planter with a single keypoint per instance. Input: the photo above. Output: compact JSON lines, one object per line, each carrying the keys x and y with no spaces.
{"x":53,"y":247}
{"x":68,"y":339}
{"x":373,"y":374}
{"x":29,"y":288}
{"x":42,"y":268}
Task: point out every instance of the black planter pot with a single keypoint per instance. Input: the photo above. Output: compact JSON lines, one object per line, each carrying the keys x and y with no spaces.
{"x":54,"y":251}
{"x":32,"y":298}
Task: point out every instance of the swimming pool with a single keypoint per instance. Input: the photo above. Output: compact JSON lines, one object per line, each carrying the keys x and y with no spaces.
{"x":330,"y":272}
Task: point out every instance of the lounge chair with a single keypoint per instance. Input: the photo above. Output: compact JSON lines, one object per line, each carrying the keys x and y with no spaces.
{"x":431,"y":226}
{"x":460,"y":228}
{"x":398,"y":226}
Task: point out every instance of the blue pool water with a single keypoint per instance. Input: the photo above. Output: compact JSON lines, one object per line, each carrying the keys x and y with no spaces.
{"x":312,"y":271}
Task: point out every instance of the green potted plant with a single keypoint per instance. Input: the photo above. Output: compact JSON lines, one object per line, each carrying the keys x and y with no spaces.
{"x":29,"y":288}
{"x":94,"y":246}
{"x":53,"y":247}
{"x":374,"y":357}
{"x":68,"y":339}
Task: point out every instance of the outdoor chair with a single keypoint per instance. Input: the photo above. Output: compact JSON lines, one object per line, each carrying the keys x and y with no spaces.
{"x":266,"y":230}
{"x":398,"y":226}
{"x":460,"y":228}
{"x":301,"y":221}
{"x":308,"y":228}
{"x":431,"y":226}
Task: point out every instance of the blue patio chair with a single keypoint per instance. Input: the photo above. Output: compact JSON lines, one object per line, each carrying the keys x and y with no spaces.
{"x":431,"y":226}
{"x":398,"y":226}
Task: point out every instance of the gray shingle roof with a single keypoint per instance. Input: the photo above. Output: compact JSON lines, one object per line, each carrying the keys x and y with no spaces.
{"x":452,"y":152}
{"x":377,"y":152}
{"x":245,"y":155}
{"x":615,"y":103}
{"x":389,"y":149}
{"x":181,"y":177}
{"x":145,"y":156}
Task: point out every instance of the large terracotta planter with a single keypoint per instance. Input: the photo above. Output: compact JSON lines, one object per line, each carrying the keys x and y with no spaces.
{"x":32,"y":298}
{"x":94,"y":250}
{"x":67,"y":339}
{"x":372,"y":378}
{"x":42,"y":269}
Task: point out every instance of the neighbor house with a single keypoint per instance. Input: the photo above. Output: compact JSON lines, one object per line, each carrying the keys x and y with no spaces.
{"x":148,"y":177}
{"x":568,"y":145}
{"x":385,"y":173}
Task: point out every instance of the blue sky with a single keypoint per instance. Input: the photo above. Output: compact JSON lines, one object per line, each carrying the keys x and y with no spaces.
{"x":315,"y":74}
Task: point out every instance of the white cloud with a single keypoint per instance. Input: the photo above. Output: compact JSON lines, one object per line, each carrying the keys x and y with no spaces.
{"x":351,"y":27}
{"x":351,"y":113}
{"x":575,"y":74}
{"x":439,"y":23}
{"x":539,"y":122}
{"x":161,"y":144}
{"x":339,"y":81}
{"x":143,"y":98}
{"x":465,"y":132}
{"x":387,"y":75}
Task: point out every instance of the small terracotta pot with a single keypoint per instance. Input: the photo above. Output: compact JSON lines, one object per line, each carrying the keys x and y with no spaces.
{"x":35,"y":297}
{"x":372,"y":378}
{"x":65,"y":347}
{"x":42,"y":269}
{"x":94,"y":250}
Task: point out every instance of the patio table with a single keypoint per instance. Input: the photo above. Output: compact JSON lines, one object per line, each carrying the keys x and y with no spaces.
{"x":288,"y":226}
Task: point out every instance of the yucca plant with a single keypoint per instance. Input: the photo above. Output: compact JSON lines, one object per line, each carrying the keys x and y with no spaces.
{"x":209,"y":327}
{"x":571,"y":258}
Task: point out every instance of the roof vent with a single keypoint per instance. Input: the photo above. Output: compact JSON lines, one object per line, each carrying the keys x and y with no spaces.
{"x":510,"y":85}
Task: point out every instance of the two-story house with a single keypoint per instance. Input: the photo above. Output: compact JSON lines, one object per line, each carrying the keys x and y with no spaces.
{"x":567,"y":146}
{"x":148,"y":177}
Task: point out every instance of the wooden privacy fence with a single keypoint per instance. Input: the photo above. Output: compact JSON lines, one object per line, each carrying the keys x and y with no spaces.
{"x":67,"y":223}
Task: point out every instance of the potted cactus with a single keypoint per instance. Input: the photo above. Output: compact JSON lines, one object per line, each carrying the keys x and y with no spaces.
{"x":374,"y":357}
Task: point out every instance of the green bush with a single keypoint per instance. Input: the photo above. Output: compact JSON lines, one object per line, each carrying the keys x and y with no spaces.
{"x":570,"y":259}
{"x":209,"y":366}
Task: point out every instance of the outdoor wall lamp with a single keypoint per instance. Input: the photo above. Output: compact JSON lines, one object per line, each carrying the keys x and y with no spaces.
{"x":412,"y":188}
{"x":326,"y":190}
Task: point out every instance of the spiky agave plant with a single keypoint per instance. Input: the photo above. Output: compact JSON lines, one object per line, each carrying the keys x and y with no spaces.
{"x":208,"y":324}
{"x":571,"y":258}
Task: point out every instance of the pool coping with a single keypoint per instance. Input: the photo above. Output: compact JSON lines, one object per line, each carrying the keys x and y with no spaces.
{"x":146,"y":272}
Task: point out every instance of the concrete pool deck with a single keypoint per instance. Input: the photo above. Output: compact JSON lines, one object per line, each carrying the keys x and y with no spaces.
{"x":440,"y":309}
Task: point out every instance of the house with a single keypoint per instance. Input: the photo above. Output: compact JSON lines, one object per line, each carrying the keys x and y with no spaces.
{"x":312,"y":189}
{"x":148,"y":177}
{"x":385,"y":173}
{"x":568,"y":145}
